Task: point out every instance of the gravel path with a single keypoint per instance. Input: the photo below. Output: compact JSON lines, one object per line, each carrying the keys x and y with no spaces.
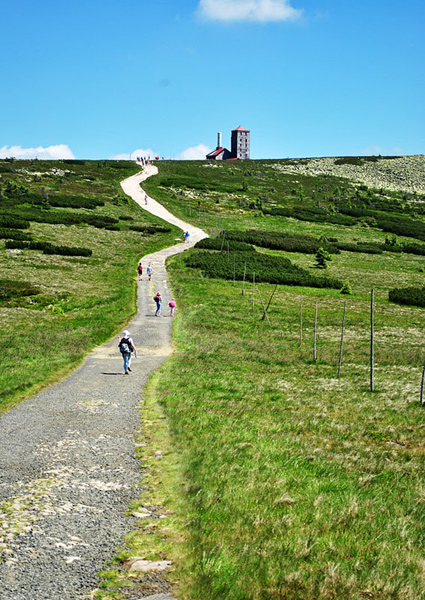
{"x":67,"y":463}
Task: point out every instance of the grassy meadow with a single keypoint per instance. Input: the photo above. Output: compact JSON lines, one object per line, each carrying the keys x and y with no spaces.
{"x":297,"y":485}
{"x":55,"y":308}
{"x":279,"y":481}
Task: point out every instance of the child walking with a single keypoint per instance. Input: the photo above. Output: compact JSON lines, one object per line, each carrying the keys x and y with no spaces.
{"x":172,"y":305}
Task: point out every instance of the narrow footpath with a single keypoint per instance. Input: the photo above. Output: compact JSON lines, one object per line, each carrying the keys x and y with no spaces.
{"x":68,"y":470}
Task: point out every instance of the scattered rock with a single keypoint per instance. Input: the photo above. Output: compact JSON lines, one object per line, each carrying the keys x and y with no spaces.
{"x":140,"y":564}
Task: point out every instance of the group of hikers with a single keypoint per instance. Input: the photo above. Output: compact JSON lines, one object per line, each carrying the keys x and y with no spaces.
{"x":125,"y":342}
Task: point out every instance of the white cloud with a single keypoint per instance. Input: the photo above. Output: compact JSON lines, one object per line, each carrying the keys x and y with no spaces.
{"x":135,"y":154}
{"x":381,"y":150}
{"x":261,"y":11}
{"x":50,"y":152}
{"x":195,"y":152}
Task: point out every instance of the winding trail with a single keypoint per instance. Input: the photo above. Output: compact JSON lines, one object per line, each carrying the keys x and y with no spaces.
{"x":68,"y":470}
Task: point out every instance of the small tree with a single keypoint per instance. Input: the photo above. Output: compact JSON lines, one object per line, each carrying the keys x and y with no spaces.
{"x":391,"y":240}
{"x":322,"y":258}
{"x":346,"y":288}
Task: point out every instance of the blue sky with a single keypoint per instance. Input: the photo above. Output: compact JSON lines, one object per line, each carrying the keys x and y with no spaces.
{"x":100,"y":79}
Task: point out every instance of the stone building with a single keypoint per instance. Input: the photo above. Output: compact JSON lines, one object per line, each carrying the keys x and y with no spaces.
{"x":240,"y":143}
{"x":240,"y":146}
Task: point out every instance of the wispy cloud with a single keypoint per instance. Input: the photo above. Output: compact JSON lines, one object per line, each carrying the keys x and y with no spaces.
{"x":195,"y":152}
{"x":261,"y":11}
{"x":50,"y":152}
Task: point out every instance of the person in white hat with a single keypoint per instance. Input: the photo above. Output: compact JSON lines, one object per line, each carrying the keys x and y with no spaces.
{"x":126,"y":346}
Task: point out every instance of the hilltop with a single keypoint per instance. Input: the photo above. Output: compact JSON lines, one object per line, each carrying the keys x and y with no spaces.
{"x":395,"y":173}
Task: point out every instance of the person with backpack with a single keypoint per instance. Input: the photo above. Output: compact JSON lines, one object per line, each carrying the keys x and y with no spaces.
{"x":126,"y":346}
{"x":149,"y":271}
{"x":172,"y":305}
{"x":140,"y":270}
{"x":158,"y":299}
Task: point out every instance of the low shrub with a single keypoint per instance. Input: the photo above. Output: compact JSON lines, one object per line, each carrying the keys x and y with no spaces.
{"x":309,"y":214}
{"x":13,"y":222}
{"x":411,"y":296}
{"x":23,"y":215}
{"x":13,"y":234}
{"x":48,"y":248}
{"x":418,"y":249}
{"x":220,"y":244}
{"x":267,"y":269}
{"x":360,"y":247}
{"x":150,"y":228}
{"x":16,"y":289}
{"x":280,"y":241}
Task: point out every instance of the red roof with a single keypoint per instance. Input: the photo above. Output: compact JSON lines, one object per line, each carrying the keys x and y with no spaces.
{"x":240,"y":128}
{"x":216,"y":152}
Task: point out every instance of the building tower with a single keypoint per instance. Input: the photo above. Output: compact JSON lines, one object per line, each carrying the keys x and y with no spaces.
{"x":240,"y":143}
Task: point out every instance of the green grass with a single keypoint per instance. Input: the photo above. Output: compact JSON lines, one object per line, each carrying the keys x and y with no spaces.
{"x":77,"y":303}
{"x":298,"y":485}
{"x":292,"y":484}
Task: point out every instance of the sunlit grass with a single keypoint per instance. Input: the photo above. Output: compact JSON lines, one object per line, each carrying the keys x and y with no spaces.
{"x":82,"y":301}
{"x":299,"y":485}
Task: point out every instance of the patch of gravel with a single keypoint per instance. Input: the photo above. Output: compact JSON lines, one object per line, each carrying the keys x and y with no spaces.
{"x":404,"y":174}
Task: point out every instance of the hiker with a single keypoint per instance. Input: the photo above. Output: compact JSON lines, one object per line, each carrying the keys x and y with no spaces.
{"x":158,"y":299}
{"x":184,"y":237}
{"x":140,"y":270}
{"x":172,"y":305}
{"x":126,"y":346}
{"x":149,"y":271}
{"x":146,"y":198}
{"x":187,"y":237}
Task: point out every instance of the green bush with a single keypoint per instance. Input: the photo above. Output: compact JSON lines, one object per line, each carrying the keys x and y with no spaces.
{"x":48,"y":248}
{"x":13,"y":222}
{"x":22,"y":215}
{"x":150,"y":228}
{"x":418,"y":249}
{"x":16,"y":289}
{"x":220,"y":244}
{"x":411,"y":296}
{"x":267,"y":269}
{"x":367,"y":248}
{"x":280,"y":241}
{"x":58,"y":201}
{"x":310,"y":214}
{"x":13,"y":234}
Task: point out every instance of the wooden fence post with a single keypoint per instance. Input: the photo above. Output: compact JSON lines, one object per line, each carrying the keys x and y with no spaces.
{"x":265,"y":315}
{"x":268,"y":305}
{"x":301,"y":320}
{"x":315,"y":334}
{"x":342,"y":341}
{"x":253,"y":289}
{"x":422,"y":385}
{"x":372,"y":340}
{"x":243,"y":282}
{"x":222,"y":241}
